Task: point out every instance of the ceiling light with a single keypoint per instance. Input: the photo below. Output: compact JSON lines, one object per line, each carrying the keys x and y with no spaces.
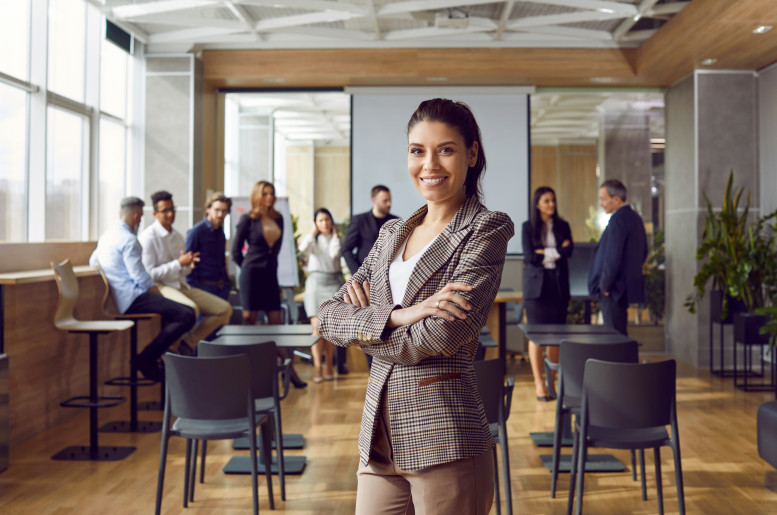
{"x":437,"y":79}
{"x":601,"y":79}
{"x":709,"y":62}
{"x":608,"y":11}
{"x":273,"y":79}
{"x":637,"y":17}
{"x":763,"y":29}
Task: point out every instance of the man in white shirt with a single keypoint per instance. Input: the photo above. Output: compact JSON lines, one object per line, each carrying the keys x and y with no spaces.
{"x":168,"y":264}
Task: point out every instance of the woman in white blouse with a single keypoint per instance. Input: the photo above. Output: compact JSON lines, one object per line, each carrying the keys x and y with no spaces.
{"x":325,"y":277}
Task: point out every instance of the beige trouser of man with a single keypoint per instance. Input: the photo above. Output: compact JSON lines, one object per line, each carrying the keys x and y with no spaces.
{"x":216,"y":310}
{"x":463,"y":486}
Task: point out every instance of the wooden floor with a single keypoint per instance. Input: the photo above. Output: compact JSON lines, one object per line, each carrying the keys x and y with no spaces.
{"x":722,"y":471}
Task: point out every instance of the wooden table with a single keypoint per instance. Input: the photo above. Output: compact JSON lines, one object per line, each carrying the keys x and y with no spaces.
{"x":291,"y":464}
{"x":497,"y":318}
{"x":266,"y":330}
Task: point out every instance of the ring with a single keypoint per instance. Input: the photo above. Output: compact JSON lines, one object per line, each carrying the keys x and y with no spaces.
{"x":437,"y":305}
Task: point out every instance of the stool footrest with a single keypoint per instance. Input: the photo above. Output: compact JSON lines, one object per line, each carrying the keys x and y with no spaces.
{"x":84,"y":401}
{"x":129,"y":381}
{"x":125,"y":426}
{"x":86,"y":453}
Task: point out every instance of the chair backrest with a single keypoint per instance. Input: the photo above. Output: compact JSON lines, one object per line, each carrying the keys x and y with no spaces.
{"x":208,"y":388}
{"x":67,"y":285}
{"x":573,"y":356}
{"x":262,"y":357}
{"x":629,"y":395}
{"x":106,"y":304}
{"x":491,"y":378}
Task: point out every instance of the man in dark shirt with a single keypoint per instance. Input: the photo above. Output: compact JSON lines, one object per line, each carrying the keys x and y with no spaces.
{"x":615,"y":277}
{"x":359,"y":239}
{"x":207,"y":238}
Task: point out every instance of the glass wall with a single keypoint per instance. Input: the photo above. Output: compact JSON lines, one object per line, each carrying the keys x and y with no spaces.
{"x":65,"y":104}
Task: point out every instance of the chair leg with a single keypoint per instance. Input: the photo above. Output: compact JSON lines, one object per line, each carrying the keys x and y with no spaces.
{"x":583,"y":455}
{"x":659,"y":489}
{"x":678,"y":473}
{"x":279,"y":453}
{"x":642,"y":471}
{"x":572,"y":474}
{"x":506,"y":468}
{"x":266,"y":452}
{"x":633,"y":465}
{"x":160,"y":481}
{"x":254,"y":481}
{"x":202,"y":463}
{"x":557,"y":436}
{"x":496,"y":483}
{"x":186,"y":471}
{"x":193,"y":471}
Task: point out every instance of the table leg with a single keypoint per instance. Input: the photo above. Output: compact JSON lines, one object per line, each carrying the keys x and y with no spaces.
{"x":503,"y":332}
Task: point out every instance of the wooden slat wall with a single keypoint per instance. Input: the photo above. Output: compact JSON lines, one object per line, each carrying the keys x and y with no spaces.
{"x":333,"y":181}
{"x":571,"y":171}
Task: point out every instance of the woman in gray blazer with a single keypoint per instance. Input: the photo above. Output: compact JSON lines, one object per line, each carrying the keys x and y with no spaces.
{"x":417,"y":305}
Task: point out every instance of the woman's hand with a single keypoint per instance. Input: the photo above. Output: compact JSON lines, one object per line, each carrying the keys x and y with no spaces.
{"x":358,"y":294}
{"x":446,"y":304}
{"x":566,"y":243}
{"x":539,"y":251}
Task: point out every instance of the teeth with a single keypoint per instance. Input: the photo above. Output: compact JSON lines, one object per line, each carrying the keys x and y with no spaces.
{"x":435,"y":180}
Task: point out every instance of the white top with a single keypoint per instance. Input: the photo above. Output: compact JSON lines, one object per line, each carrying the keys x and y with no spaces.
{"x":161,"y":250}
{"x":401,"y":270}
{"x":324,"y":252}
{"x":551,"y":253}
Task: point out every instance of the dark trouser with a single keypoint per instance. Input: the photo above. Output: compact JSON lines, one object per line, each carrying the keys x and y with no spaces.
{"x":340,"y":355}
{"x":615,"y":313}
{"x":177,"y":320}
{"x":213,"y":287}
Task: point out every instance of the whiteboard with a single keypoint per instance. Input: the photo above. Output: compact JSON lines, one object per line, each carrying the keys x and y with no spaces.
{"x":379,"y":147}
{"x":287,"y":257}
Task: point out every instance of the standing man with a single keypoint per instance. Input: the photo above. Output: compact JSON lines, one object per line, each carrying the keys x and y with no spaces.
{"x":133,"y":290}
{"x":168,"y":264}
{"x":359,"y":239}
{"x":207,"y":239}
{"x":616,"y":274}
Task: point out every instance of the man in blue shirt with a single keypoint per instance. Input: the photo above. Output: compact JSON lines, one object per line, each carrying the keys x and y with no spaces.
{"x":134,"y":291}
{"x":207,"y":238}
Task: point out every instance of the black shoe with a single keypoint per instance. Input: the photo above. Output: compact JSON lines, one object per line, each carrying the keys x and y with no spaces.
{"x":342,"y":370}
{"x":545,"y":398}
{"x":150,"y":369}
{"x":297,"y":382}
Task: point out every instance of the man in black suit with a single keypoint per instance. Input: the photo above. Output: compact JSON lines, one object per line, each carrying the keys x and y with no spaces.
{"x":616,"y":274}
{"x":359,"y":239}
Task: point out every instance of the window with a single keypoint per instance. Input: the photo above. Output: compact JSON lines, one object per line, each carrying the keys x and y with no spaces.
{"x":67,"y":157}
{"x":112,"y":171}
{"x":113,"y":79}
{"x":15,"y":38}
{"x":13,"y":151}
{"x":67,"y":48}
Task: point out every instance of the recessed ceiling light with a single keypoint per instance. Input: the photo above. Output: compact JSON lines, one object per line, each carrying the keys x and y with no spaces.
{"x":709,"y":62}
{"x":601,"y":79}
{"x":763,"y":29}
{"x":273,"y":79}
{"x":437,"y":79}
{"x":637,"y":17}
{"x":608,"y":11}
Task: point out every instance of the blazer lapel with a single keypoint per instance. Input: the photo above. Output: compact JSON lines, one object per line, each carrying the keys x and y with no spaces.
{"x":394,"y":240}
{"x":441,"y":250}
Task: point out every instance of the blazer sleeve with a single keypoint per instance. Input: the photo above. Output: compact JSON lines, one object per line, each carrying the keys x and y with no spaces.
{"x":241,"y":233}
{"x":566,"y":234}
{"x":529,"y":256}
{"x":613,"y":254}
{"x":350,"y":243}
{"x":480,"y":266}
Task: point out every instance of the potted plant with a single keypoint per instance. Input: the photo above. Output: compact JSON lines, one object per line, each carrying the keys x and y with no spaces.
{"x":655,"y":271}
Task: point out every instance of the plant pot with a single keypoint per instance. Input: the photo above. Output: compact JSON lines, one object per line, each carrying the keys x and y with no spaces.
{"x":716,"y":307}
{"x":747,"y":327}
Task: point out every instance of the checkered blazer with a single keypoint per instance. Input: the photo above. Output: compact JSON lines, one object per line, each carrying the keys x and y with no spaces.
{"x":436,"y":414}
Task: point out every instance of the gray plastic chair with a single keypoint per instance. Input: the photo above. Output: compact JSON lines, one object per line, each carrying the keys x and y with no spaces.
{"x":497,"y":398}
{"x":572,"y":358}
{"x":628,"y":406}
{"x":264,"y":387}
{"x":212,"y":399}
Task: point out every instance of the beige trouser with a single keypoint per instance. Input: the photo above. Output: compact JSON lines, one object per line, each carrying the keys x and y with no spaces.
{"x":464,"y":486}
{"x":216,"y":311}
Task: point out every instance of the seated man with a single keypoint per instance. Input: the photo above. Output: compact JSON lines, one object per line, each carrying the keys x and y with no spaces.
{"x":168,"y":264}
{"x":133,"y":290}
{"x":207,"y":239}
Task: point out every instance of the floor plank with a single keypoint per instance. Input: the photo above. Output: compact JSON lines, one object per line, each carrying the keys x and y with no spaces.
{"x":722,"y":470}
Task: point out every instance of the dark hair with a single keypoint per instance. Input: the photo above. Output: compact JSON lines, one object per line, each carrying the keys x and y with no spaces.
{"x":377,"y":189}
{"x":538,"y":227}
{"x":456,"y":115}
{"x":615,"y":188}
{"x":159,"y":196}
{"x":219,"y":197}
{"x":323,"y":210}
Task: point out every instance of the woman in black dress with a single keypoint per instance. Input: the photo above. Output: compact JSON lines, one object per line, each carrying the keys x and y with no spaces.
{"x":262,"y":230}
{"x":547,"y":245}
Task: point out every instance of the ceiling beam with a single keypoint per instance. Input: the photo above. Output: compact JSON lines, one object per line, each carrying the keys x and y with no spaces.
{"x":594,"y":5}
{"x":572,"y":32}
{"x":553,"y":19}
{"x":309,"y":5}
{"x":190,"y":35}
{"x":626,"y":24}
{"x":242,"y":14}
{"x":163,"y":6}
{"x":305,"y":19}
{"x":427,"y":5}
{"x":507,"y":9}
{"x":475,"y":25}
{"x":373,"y":19}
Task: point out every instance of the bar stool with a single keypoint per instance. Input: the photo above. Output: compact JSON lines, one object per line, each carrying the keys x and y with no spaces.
{"x":67,"y":284}
{"x":133,"y":381}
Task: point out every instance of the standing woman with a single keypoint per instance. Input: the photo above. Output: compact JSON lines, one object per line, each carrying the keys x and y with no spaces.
{"x":547,"y":245}
{"x":262,"y":229}
{"x":417,"y":305}
{"x":325,"y":277}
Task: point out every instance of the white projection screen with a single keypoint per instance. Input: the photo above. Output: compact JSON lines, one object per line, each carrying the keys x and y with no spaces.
{"x":379,"y":146}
